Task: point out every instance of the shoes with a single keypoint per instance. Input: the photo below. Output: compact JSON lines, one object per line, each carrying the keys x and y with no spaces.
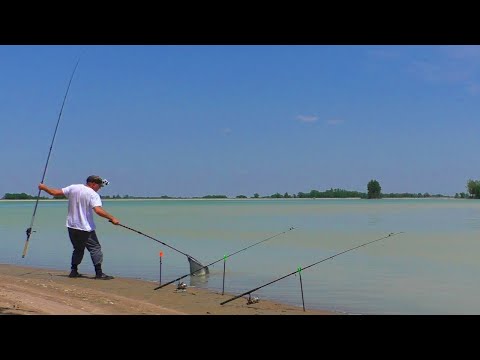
{"x":74,"y":274}
{"x":103,"y":276}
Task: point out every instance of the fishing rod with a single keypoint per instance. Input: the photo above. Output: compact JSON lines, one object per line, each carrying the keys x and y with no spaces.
{"x":306,"y":267}
{"x":224,"y":258}
{"x":29,"y":229}
{"x":193,"y":262}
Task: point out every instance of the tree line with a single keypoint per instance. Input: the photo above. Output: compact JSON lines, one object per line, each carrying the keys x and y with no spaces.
{"x":374,"y":191}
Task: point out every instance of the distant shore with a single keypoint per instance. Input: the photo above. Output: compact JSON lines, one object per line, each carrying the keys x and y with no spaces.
{"x":231,"y":199}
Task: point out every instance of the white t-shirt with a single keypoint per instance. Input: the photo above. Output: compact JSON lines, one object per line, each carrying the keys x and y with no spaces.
{"x":81,"y":201}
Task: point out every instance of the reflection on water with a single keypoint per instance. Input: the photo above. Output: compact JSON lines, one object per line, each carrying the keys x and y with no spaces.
{"x":199,"y":281}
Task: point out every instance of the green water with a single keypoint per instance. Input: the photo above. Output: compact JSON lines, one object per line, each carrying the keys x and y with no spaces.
{"x":431,"y":268}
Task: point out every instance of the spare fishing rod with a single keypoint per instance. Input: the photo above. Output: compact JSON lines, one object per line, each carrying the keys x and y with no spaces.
{"x":224,"y":258}
{"x":306,"y":267}
{"x":194,"y":263}
{"x":29,"y":230}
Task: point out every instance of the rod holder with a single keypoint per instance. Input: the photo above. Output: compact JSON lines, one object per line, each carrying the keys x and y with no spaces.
{"x":301,"y":285}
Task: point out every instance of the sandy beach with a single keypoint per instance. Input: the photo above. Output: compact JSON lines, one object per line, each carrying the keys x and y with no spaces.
{"x":39,"y":291}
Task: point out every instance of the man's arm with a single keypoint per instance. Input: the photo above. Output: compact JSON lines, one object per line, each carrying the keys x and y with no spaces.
{"x":51,"y":191}
{"x":101,"y":212}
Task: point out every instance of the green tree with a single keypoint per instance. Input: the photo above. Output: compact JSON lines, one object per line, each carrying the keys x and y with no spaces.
{"x":374,"y":190}
{"x":473,"y":187}
{"x":18,"y":196}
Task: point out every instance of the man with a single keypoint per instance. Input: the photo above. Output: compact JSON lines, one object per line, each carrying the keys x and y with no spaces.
{"x":83,"y":200}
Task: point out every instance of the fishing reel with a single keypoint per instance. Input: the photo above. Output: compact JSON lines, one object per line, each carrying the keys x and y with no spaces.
{"x":105,"y":182}
{"x":181,"y":286}
{"x":252,"y":300}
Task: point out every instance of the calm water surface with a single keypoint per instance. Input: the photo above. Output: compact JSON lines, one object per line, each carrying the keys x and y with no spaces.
{"x":431,"y":268}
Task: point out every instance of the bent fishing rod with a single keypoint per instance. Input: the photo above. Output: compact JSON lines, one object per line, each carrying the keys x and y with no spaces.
{"x":29,"y":230}
{"x":190,"y":257}
{"x":306,"y":267}
{"x":224,"y":258}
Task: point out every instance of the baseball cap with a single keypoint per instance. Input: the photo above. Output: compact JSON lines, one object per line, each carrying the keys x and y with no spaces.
{"x":97,"y":180}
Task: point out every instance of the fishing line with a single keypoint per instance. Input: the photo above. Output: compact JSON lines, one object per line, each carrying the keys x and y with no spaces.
{"x":29,"y":229}
{"x":306,"y":267}
{"x":225,"y":257}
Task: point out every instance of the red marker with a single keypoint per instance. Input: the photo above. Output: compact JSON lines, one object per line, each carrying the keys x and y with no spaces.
{"x":161,"y":254}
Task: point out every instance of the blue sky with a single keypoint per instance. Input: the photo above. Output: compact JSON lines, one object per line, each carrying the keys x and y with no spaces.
{"x":237,"y":120}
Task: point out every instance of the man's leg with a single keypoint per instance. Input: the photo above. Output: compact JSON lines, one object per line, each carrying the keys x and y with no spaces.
{"x":78,"y":238}
{"x":95,"y":249}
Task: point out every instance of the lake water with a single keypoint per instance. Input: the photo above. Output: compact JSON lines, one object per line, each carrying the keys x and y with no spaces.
{"x":432,"y":267}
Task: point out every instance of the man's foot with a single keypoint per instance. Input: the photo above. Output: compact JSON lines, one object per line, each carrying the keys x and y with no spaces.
{"x":74,"y":274}
{"x":103,"y":276}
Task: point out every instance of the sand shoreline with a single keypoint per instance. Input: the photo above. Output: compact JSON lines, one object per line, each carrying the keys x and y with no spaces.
{"x":38,"y":291}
